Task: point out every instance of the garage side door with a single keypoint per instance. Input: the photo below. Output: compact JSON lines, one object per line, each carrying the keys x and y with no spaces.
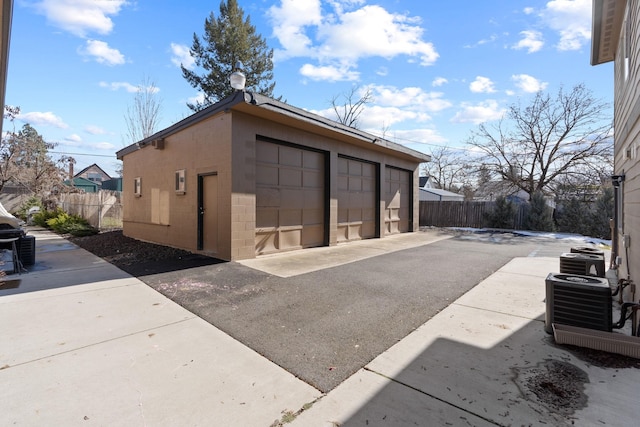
{"x":397,"y":201}
{"x":356,"y":200}
{"x":289,"y":198}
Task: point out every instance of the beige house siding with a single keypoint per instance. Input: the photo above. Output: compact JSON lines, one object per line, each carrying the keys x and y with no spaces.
{"x":627,"y":140}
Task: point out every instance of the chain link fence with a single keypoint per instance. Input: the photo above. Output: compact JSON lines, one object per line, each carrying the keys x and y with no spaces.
{"x":102,"y":210}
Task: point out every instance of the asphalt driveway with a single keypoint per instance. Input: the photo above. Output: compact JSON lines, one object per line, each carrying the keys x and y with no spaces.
{"x":324,"y":325}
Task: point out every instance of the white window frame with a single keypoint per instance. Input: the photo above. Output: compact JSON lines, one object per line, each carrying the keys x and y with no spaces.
{"x":181,"y":181}
{"x":137,"y":186}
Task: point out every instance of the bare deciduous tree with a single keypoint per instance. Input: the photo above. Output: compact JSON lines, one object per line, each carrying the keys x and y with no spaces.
{"x":348,"y":106}
{"x":143,"y":115}
{"x":448,"y":169}
{"x":553,"y":138}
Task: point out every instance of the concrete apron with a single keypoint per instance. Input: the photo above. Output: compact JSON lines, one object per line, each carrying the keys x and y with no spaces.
{"x":84,"y":343}
{"x":289,"y":264}
{"x":471,"y":365}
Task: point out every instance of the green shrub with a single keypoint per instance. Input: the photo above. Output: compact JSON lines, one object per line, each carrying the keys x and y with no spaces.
{"x":502,"y":215}
{"x":23,"y":210}
{"x":42,"y":217}
{"x":539,"y":214}
{"x":62,"y":223}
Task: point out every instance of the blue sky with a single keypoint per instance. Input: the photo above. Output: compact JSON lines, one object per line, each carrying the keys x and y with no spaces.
{"x":435,"y":69}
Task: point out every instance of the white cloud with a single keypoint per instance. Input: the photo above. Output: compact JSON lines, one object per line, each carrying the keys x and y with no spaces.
{"x":342,"y":38}
{"x":382,"y":71}
{"x":80,"y":17}
{"x":73,"y":139}
{"x":94,"y":130}
{"x":391,"y":106}
{"x":329,"y":73}
{"x":127,"y":86}
{"x":439,"y":81}
{"x":479,"y":113}
{"x":102,"y":53}
{"x":102,"y":145}
{"x":376,"y":116}
{"x":197,"y":99}
{"x":490,"y":39}
{"x":571,"y":19}
{"x":531,"y":40}
{"x":482,"y":85}
{"x":528,"y":10}
{"x":528,"y":83}
{"x":413,"y":98}
{"x":290,"y":21}
{"x":182,"y":56}
{"x":42,"y":119}
{"x":416,"y":136}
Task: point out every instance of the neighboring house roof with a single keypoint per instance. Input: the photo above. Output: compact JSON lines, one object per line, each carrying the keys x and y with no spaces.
{"x":271,"y":109}
{"x":83,"y":184}
{"x":425,"y":182}
{"x":93,"y":167}
{"x":488,"y":191}
{"x":606,"y":24}
{"x":438,"y":194}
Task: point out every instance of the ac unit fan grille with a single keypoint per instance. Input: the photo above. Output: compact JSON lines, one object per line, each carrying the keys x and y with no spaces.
{"x":575,"y":307}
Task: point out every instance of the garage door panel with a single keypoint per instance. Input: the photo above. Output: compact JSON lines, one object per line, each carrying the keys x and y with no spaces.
{"x":313,"y":160}
{"x":343,"y":182}
{"x":356,"y":199}
{"x":290,"y":217}
{"x":313,"y":179}
{"x":313,"y":200}
{"x":268,"y":197}
{"x":313,"y":217}
{"x":355,"y":183}
{"x":267,"y":153}
{"x":397,"y":200}
{"x":267,"y":219}
{"x":290,"y":156}
{"x":290,"y":177}
{"x":290,"y":209}
{"x":267,"y":174}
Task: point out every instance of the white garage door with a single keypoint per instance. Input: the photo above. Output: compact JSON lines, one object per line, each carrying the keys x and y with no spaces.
{"x":289,"y":198}
{"x":397,"y":201}
{"x":356,"y":200}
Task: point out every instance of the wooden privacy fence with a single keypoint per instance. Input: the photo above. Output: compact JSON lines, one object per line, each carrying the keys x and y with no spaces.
{"x":463,"y":214}
{"x":102,"y":209}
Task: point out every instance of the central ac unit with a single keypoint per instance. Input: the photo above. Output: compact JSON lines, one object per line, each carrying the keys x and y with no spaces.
{"x":582,"y":264}
{"x":587,"y":250}
{"x":576,"y":300}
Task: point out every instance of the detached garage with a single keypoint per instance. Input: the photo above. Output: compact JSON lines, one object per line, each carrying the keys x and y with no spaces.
{"x":250,"y":176}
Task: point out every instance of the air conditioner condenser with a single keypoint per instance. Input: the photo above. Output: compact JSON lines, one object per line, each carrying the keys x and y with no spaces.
{"x":578,"y":300}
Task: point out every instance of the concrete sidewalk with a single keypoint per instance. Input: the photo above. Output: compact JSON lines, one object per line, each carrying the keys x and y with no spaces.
{"x":478,"y":363}
{"x":86,"y":344}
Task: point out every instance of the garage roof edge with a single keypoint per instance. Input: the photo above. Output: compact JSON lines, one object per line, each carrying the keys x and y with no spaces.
{"x":264,"y":102}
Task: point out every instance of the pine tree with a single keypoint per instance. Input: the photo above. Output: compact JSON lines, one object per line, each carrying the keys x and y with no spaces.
{"x":539,"y":215}
{"x":227,"y":40}
{"x":502,"y":215}
{"x":602,"y":212}
{"x":573,"y":216}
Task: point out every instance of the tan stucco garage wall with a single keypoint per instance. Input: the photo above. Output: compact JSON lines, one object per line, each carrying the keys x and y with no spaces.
{"x":246,"y":128}
{"x":162,"y":215}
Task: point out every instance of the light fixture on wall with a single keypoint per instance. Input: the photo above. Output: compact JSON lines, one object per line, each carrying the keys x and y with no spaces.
{"x":237,"y":78}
